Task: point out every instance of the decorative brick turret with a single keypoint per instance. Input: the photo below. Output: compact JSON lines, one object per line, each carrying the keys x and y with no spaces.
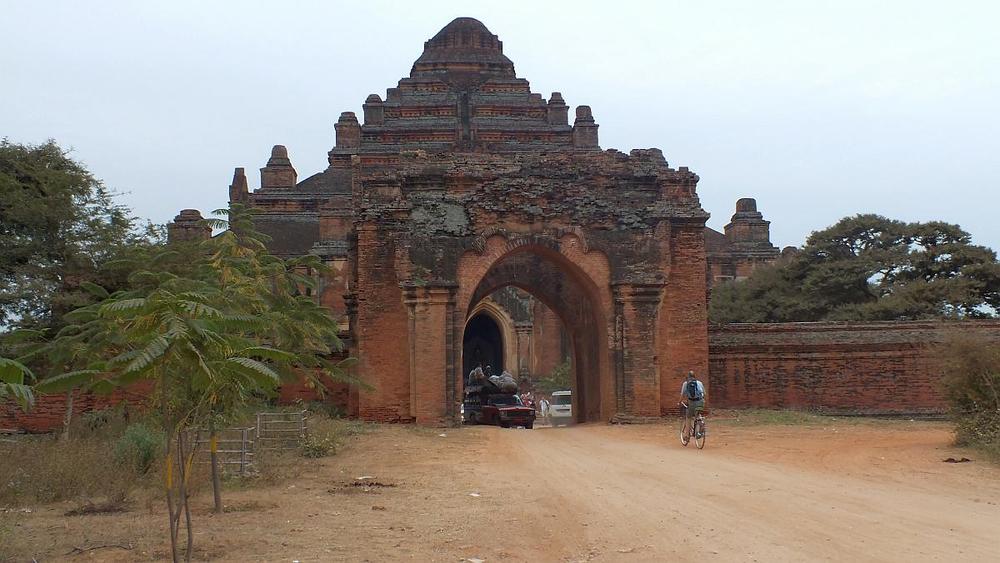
{"x":558,"y":111}
{"x":745,"y":246}
{"x":239,"y":190}
{"x":585,"y":129}
{"x":188,"y":225}
{"x":374,"y":110}
{"x":279,"y":172}
{"x":748,"y":226}
{"x":348,"y":131}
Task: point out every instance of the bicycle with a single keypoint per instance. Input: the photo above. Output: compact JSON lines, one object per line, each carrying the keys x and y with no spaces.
{"x":697,"y":431}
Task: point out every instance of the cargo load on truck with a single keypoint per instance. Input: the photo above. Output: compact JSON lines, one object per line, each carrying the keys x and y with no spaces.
{"x":481,"y":390}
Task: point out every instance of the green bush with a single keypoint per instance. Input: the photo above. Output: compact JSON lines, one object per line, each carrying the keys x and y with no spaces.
{"x":318,"y":446}
{"x":139,"y":447}
{"x":971,"y":367}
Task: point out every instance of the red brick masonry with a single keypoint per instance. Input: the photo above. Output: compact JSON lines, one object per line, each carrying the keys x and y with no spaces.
{"x":836,"y":368}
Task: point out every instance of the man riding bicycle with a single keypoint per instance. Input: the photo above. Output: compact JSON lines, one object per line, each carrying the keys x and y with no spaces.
{"x":692,"y":393}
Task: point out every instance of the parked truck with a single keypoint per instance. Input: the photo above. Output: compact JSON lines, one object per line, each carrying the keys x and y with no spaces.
{"x":494,"y":401}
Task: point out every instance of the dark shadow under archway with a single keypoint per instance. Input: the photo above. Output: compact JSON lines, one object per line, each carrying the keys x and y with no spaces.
{"x":482,"y":345}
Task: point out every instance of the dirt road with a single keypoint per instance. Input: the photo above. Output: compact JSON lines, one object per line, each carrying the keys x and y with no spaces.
{"x":840,"y":492}
{"x":624,"y":496}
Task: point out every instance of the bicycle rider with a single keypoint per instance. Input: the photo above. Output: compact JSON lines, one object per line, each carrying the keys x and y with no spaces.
{"x":693,"y":393}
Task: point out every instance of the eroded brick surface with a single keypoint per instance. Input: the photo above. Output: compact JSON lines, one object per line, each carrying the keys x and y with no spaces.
{"x":847,"y":368}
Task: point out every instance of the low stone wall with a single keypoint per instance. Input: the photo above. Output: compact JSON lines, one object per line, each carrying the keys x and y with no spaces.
{"x":884,"y":368}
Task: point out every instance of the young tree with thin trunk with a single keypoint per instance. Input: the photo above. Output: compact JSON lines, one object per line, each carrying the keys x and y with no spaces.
{"x":218,"y":324}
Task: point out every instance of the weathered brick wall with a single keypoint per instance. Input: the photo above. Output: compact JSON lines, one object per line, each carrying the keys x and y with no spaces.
{"x":546,"y":341}
{"x":683,"y":319}
{"x":382,"y":329}
{"x":49,"y":411}
{"x":841,"y":368}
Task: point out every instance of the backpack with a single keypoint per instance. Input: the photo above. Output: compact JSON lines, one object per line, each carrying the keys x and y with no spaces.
{"x":693,"y":392}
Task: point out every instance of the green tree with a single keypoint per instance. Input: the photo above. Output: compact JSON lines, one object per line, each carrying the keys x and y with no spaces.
{"x":213,"y":326}
{"x":59,"y":227}
{"x":560,"y":379}
{"x":868,"y":267}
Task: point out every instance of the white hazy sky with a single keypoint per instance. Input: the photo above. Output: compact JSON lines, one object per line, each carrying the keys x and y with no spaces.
{"x":819,"y":109}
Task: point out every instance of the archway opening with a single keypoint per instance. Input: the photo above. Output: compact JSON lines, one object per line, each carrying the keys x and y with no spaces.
{"x":483,"y":345}
{"x":572,"y":297}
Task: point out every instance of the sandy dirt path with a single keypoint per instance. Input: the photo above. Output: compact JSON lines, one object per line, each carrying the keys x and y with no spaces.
{"x":640,"y":499}
{"x":841,"y":492}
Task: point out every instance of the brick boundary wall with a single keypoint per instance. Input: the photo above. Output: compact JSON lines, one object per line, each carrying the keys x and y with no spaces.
{"x":874,"y":368}
{"x":883,"y":368}
{"x":49,"y":411}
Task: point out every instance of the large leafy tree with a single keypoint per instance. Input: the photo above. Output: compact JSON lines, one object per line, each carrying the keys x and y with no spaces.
{"x":59,"y":227}
{"x":210,"y":325}
{"x":868,"y":267}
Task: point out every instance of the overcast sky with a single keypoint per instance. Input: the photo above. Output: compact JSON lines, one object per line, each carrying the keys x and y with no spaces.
{"x":818,"y":109}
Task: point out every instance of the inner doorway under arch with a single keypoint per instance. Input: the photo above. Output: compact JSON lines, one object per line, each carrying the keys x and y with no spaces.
{"x":483,"y":345}
{"x":575,"y":298}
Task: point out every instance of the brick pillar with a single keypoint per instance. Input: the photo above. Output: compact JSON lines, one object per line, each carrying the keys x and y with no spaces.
{"x":636,"y":370}
{"x":350,"y":346}
{"x":430,"y":310}
{"x":523,"y":332}
{"x":683,"y":323}
{"x":379,"y":325}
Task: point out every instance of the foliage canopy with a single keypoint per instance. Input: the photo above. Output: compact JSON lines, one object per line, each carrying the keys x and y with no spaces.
{"x":59,"y":227}
{"x":868,"y":267}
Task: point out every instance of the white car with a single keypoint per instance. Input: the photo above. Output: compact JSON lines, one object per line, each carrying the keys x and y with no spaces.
{"x":561,"y":407}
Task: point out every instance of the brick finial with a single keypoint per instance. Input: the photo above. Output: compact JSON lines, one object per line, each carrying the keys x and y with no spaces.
{"x":279,"y":172}
{"x":748,"y":225}
{"x":585,"y":129}
{"x":239,"y":191}
{"x":348,"y":131}
{"x":188,"y":225}
{"x":558,"y":111}
{"x":374,"y":110}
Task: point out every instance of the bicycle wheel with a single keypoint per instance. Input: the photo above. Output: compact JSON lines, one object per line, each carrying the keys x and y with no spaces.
{"x":685,"y":437}
{"x":699,"y":433}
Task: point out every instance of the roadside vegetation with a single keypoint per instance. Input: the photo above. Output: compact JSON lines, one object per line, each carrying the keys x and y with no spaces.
{"x":114,"y":463}
{"x":869,"y":268}
{"x":559,"y":380}
{"x":92,"y":303}
{"x":971,"y":367}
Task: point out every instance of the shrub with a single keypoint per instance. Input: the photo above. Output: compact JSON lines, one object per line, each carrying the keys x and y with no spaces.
{"x":318,"y":445}
{"x":139,"y":447}
{"x":43,"y":469}
{"x":971,"y":367}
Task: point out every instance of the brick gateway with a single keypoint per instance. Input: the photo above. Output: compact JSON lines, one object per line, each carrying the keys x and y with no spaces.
{"x":461,"y":182}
